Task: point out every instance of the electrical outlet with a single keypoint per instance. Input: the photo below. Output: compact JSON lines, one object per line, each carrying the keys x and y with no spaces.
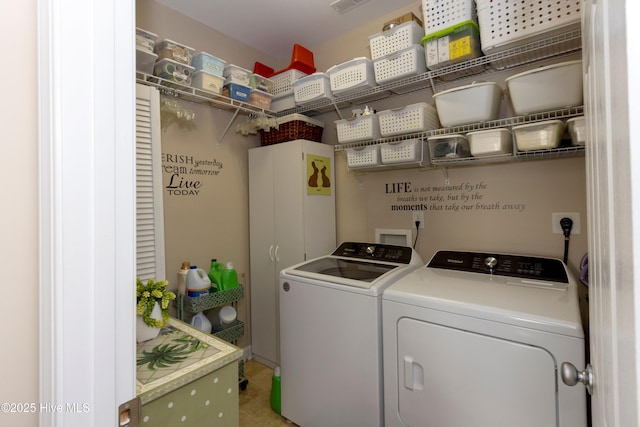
{"x":557,"y":216}
{"x":418,"y":216}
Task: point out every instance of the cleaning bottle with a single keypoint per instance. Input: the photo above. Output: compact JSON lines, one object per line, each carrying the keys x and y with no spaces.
{"x":215,"y":273}
{"x":229,"y":277}
{"x":182,"y":277}
{"x":198,"y":282}
{"x":274,"y":398}
{"x":201,"y":322}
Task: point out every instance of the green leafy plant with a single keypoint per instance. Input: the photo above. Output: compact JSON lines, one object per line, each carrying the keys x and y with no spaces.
{"x":146,"y":297}
{"x":163,"y":356}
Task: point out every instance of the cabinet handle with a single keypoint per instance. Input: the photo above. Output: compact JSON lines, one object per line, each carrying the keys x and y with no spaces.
{"x":277,"y":250}
{"x":271,"y":253}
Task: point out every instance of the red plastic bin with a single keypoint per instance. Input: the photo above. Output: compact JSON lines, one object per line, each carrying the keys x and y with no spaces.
{"x":301,"y":60}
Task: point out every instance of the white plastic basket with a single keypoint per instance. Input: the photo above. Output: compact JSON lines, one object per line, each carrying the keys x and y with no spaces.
{"x":505,"y":24}
{"x":411,"y":118}
{"x":441,"y":14}
{"x":360,"y":128}
{"x":395,"y":39}
{"x":311,"y":88}
{"x":360,"y":157}
{"x":409,"y":150}
{"x":407,"y":62}
{"x":350,"y":75}
{"x":283,"y":82}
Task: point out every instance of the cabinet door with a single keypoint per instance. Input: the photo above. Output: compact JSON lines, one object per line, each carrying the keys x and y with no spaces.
{"x":263,"y":291}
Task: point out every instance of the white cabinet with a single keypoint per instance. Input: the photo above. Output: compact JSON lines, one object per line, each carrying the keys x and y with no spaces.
{"x":291,"y":219}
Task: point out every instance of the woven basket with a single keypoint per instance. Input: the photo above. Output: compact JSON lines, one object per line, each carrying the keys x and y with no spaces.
{"x":291,"y":127}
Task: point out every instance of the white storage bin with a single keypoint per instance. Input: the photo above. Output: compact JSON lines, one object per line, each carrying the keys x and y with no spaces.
{"x":477,"y":102}
{"x":546,"y":88}
{"x":238,"y":75}
{"x":539,"y":136}
{"x":206,"y":81}
{"x":401,"y":152}
{"x":312,"y":88}
{"x":407,"y":62}
{"x":168,"y":49}
{"x":492,"y":142}
{"x":577,"y":130}
{"x":359,"y":128}
{"x":145,"y":40}
{"x":505,"y":24}
{"x":208,"y":63}
{"x":411,"y":118}
{"x":360,"y":157}
{"x":441,"y":14}
{"x":283,"y":82}
{"x":395,"y":39}
{"x":261,"y":83}
{"x":351,"y":75}
{"x":444,"y":147}
{"x":283,"y":103}
{"x":145,"y":60}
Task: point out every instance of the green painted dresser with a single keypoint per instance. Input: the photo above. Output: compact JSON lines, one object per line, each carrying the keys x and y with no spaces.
{"x":187,"y":378}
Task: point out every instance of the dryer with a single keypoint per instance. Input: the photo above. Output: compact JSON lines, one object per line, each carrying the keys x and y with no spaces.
{"x":331,"y":334}
{"x":477,"y":339}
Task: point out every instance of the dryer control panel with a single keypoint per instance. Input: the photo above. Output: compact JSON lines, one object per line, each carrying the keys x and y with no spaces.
{"x":547,"y":269}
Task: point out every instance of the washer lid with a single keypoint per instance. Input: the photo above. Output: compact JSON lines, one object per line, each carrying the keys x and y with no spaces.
{"x":521,"y":301}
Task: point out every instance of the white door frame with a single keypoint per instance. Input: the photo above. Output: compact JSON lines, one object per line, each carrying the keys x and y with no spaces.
{"x":86,"y":112}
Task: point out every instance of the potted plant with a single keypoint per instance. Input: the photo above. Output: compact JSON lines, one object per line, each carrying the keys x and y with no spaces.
{"x":152,"y":307}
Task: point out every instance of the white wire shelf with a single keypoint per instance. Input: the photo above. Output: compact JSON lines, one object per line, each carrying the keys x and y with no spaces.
{"x":558,"y":45}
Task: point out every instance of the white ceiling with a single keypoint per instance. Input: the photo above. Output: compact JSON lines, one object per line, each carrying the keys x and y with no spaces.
{"x":273,"y":26}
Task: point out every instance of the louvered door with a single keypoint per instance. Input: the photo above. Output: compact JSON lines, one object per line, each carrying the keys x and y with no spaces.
{"x":150,"y":259}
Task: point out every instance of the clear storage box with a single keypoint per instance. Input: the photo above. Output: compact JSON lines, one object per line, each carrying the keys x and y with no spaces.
{"x":145,"y":60}
{"x":407,"y":62}
{"x":577,"y":130}
{"x":283,"y":82}
{"x":261,"y":83}
{"x":395,"y":39}
{"x":206,"y":62}
{"x":411,"y":118}
{"x":546,"y":88}
{"x":260,"y":99}
{"x":292,"y":127}
{"x":283,"y":103}
{"x":539,"y":136}
{"x":351,"y":75}
{"x":238,"y":75}
{"x":505,"y":24}
{"x":145,"y":40}
{"x":168,"y":49}
{"x":361,"y":157}
{"x":237,"y":92}
{"x":409,"y":150}
{"x":209,"y":82}
{"x":492,"y":142}
{"x":477,"y":102}
{"x":441,"y":14}
{"x":174,"y":71}
{"x":448,"y":147}
{"x":360,"y":128}
{"x":312,"y":88}
{"x":452,"y":45}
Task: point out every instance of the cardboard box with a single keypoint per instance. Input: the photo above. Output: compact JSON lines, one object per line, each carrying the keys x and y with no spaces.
{"x":402,"y":19}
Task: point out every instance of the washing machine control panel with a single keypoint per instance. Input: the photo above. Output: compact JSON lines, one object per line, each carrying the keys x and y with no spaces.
{"x":375,"y":251}
{"x":527,"y":267}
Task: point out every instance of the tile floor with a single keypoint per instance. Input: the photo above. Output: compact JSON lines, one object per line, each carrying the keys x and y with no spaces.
{"x":255,"y":409}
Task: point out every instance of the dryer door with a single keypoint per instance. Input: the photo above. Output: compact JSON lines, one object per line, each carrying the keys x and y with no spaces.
{"x":450,"y":377}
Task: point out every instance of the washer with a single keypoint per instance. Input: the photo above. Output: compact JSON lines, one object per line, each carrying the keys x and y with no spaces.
{"x":331,"y":334}
{"x":477,"y":339}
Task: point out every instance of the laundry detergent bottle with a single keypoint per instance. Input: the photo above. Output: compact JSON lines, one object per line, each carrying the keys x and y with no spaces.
{"x":215,"y":273}
{"x":229,"y":277}
{"x":274,"y":397}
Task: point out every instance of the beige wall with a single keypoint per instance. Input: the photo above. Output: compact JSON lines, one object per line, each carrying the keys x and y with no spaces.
{"x":215,"y":222}
{"x":19,"y":217}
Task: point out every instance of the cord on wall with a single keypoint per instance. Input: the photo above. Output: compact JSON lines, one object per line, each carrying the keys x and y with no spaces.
{"x":417,"y":233}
